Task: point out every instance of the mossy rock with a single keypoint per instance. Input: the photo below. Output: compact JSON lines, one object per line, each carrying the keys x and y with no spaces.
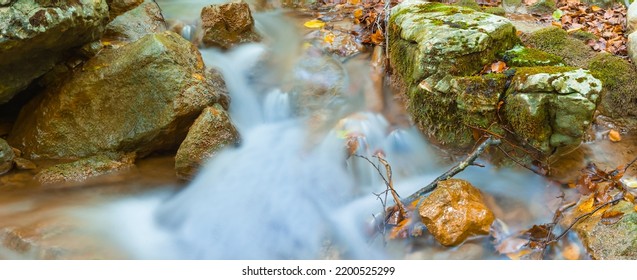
{"x":431,"y":44}
{"x":556,"y":41}
{"x":542,"y":7}
{"x":620,"y":89}
{"x":551,"y":107}
{"x":499,"y":11}
{"x":584,"y":36}
{"x":528,"y":57}
{"x":471,"y":4}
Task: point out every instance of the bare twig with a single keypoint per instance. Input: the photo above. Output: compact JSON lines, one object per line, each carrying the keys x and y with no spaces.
{"x":584,"y":216}
{"x":401,"y":208}
{"x":629,"y":164}
{"x":454,"y":170}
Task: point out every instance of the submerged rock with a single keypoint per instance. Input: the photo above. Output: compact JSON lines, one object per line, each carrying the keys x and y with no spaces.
{"x":83,"y":169}
{"x":134,"y":24}
{"x":34,"y":36}
{"x":455,"y":211}
{"x":6,"y":157}
{"x":551,"y":107}
{"x":140,"y":97}
{"x":227,"y":25}
{"x":212,"y":131}
{"x":604,"y":240}
{"x":430,"y":44}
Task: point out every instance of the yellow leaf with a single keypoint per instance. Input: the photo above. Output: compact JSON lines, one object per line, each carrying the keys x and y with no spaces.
{"x":358,"y":13}
{"x":198,"y":77}
{"x":315,"y":23}
{"x":378,"y":37}
{"x":614,"y":135}
{"x":595,"y":8}
{"x":587,"y":205}
{"x":353,"y":2}
{"x":329,"y":38}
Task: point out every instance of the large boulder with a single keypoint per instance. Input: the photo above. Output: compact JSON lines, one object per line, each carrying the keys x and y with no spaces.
{"x":212,"y":131}
{"x":430,"y":45}
{"x":34,"y":36}
{"x":227,"y":25}
{"x":134,"y":24}
{"x":118,"y":7}
{"x":140,"y":97}
{"x":551,"y":107}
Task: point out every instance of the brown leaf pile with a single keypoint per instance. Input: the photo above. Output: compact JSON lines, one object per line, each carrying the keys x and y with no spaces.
{"x":607,"y":24}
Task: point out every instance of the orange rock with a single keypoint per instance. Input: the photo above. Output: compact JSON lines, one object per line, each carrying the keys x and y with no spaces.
{"x":454,"y":212}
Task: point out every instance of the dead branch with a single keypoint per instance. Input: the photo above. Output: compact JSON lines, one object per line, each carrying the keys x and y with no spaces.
{"x":584,"y":216}
{"x":388,"y":182}
{"x":454,"y":170}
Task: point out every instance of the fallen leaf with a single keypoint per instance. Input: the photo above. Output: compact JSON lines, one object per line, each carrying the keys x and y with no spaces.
{"x":353,"y":2}
{"x":539,"y":232}
{"x":329,"y":38}
{"x":587,"y":205}
{"x":498,"y":67}
{"x":611,"y":216}
{"x":315,"y":23}
{"x":595,"y":8}
{"x":571,"y":252}
{"x":358,"y":13}
{"x":377,"y":38}
{"x":614,"y":135}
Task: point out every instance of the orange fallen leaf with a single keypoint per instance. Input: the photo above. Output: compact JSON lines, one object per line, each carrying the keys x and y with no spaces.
{"x":498,"y":67}
{"x":614,"y":135}
{"x":595,"y":8}
{"x":611,"y":216}
{"x":358,"y":13}
{"x":354,"y":2}
{"x":378,"y":37}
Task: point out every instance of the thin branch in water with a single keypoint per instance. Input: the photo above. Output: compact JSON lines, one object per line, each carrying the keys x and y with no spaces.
{"x":454,"y":170}
{"x":584,"y":216}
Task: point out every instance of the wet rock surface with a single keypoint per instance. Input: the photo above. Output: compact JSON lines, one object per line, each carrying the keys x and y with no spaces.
{"x":6,"y":157}
{"x":212,"y":131}
{"x":134,"y":24}
{"x":608,"y":241}
{"x":87,"y":168}
{"x":34,"y":37}
{"x":454,"y":212}
{"x":161,"y":87}
{"x":118,"y":7}
{"x":227,"y":25}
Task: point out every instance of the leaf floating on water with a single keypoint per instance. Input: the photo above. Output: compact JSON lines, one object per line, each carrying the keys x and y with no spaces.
{"x":611,"y":216}
{"x":614,"y":135}
{"x":329,"y":38}
{"x":315,"y":23}
{"x":539,"y":232}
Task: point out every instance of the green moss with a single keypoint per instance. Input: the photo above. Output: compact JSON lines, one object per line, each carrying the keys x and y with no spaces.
{"x":438,"y":118}
{"x":471,"y":4}
{"x":583,"y":35}
{"x":618,"y":76}
{"x":495,"y":11}
{"x":529,"y":57}
{"x":543,"y":7}
{"x":511,"y":3}
{"x":528,"y":116}
{"x":556,"y":41}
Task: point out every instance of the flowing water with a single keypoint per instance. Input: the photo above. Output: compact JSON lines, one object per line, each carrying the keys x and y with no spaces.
{"x":289,"y":190}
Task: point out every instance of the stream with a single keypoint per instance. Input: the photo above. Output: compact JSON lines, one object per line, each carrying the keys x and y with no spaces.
{"x":287,"y":191}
